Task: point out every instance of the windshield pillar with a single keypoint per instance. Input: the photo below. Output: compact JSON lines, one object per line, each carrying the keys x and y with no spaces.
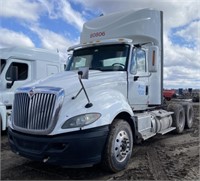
{"x":2,"y":64}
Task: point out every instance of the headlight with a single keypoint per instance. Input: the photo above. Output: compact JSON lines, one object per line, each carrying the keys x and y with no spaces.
{"x":81,"y":120}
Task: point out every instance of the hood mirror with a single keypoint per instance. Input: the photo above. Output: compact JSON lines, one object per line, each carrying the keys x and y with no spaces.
{"x":83,"y":72}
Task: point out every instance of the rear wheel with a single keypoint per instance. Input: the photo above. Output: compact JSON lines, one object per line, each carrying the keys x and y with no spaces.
{"x":119,"y":146}
{"x":178,"y":116}
{"x":1,"y":122}
{"x":189,"y":114}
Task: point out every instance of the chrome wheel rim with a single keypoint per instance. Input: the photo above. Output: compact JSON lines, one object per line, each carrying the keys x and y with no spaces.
{"x":121,"y":146}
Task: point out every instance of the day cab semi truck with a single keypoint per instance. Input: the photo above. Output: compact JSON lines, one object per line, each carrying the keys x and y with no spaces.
{"x":19,"y":66}
{"x":108,"y":99}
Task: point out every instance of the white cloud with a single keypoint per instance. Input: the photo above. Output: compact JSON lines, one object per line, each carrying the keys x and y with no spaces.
{"x":10,"y":38}
{"x":181,"y":66}
{"x":176,"y":12}
{"x":52,"y":7}
{"x":191,"y":32}
{"x":70,"y":15}
{"x":21,"y":9}
{"x":62,"y":9}
{"x":52,"y":40}
{"x":175,"y":55}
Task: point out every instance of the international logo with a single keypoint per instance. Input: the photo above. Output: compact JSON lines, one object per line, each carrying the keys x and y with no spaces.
{"x":31,"y":93}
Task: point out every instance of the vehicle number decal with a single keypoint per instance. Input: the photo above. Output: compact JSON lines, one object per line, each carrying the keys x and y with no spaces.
{"x":97,"y":34}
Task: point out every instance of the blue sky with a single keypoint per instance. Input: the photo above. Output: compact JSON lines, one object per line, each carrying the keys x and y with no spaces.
{"x":56,"y":24}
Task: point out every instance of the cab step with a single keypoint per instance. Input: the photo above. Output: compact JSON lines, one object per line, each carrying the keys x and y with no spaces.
{"x":166,"y":130}
{"x":147,"y":135}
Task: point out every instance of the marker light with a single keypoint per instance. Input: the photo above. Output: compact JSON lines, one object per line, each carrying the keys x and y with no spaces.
{"x":153,"y":58}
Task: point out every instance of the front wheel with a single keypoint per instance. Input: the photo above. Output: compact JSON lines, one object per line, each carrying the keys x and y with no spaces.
{"x":119,"y":146}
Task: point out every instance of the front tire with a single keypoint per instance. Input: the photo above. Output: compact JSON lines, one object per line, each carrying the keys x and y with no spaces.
{"x":119,"y":146}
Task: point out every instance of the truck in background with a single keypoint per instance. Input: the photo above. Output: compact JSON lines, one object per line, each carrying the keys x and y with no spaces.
{"x":189,"y":94}
{"x":109,"y":98}
{"x":169,"y":94}
{"x":19,"y":66}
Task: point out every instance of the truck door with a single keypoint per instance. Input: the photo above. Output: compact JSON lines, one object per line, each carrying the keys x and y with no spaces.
{"x":138,"y":78}
{"x":22,"y":71}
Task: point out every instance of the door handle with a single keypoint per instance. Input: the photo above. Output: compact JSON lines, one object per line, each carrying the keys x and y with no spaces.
{"x":135,"y":78}
{"x":147,"y":89}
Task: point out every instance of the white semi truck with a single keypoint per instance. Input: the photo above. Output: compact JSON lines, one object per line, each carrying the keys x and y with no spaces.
{"x":19,"y":66}
{"x":108,"y":99}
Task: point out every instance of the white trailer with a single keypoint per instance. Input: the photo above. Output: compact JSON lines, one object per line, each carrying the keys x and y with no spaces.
{"x":19,"y":66}
{"x":114,"y":102}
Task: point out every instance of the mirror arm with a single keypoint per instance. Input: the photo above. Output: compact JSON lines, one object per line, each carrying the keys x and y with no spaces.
{"x":89,"y":104}
{"x":9,"y":85}
{"x":74,"y":97}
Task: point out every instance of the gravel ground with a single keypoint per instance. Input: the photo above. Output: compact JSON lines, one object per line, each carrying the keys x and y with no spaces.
{"x":167,"y":157}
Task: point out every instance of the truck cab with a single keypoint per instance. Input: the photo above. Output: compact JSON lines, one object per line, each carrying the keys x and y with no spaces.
{"x":108,"y":99}
{"x":19,"y":66}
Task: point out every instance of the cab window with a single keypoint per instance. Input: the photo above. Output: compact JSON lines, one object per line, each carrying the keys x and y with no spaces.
{"x":138,"y":63}
{"x":141,"y":61}
{"x":22,"y":73}
{"x":2,"y":64}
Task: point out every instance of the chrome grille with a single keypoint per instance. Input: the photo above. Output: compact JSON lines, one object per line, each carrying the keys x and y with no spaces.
{"x":41,"y":111}
{"x":21,"y":107}
{"x":36,"y":110}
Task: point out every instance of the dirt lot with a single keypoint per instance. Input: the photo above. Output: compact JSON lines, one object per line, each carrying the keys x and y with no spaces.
{"x":168,"y":157}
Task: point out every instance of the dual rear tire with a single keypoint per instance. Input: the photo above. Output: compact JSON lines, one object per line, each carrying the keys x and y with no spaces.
{"x":182,"y":117}
{"x":189,"y":115}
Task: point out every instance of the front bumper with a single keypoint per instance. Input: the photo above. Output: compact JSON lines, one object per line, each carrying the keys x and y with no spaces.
{"x":84,"y":147}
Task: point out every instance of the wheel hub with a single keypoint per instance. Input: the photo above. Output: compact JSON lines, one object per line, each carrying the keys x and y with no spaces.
{"x":121,"y":146}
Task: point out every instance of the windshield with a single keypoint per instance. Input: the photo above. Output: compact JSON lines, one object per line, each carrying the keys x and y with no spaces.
{"x":104,"y":58}
{"x":2,"y":65}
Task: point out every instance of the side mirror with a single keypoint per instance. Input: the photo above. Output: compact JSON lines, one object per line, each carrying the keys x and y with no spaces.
{"x":14,"y":73}
{"x":83,"y":72}
{"x":69,"y":57}
{"x":14,"y":76}
{"x":153,"y":58}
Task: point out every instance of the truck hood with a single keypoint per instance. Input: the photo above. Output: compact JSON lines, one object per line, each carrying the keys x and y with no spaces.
{"x":69,"y":81}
